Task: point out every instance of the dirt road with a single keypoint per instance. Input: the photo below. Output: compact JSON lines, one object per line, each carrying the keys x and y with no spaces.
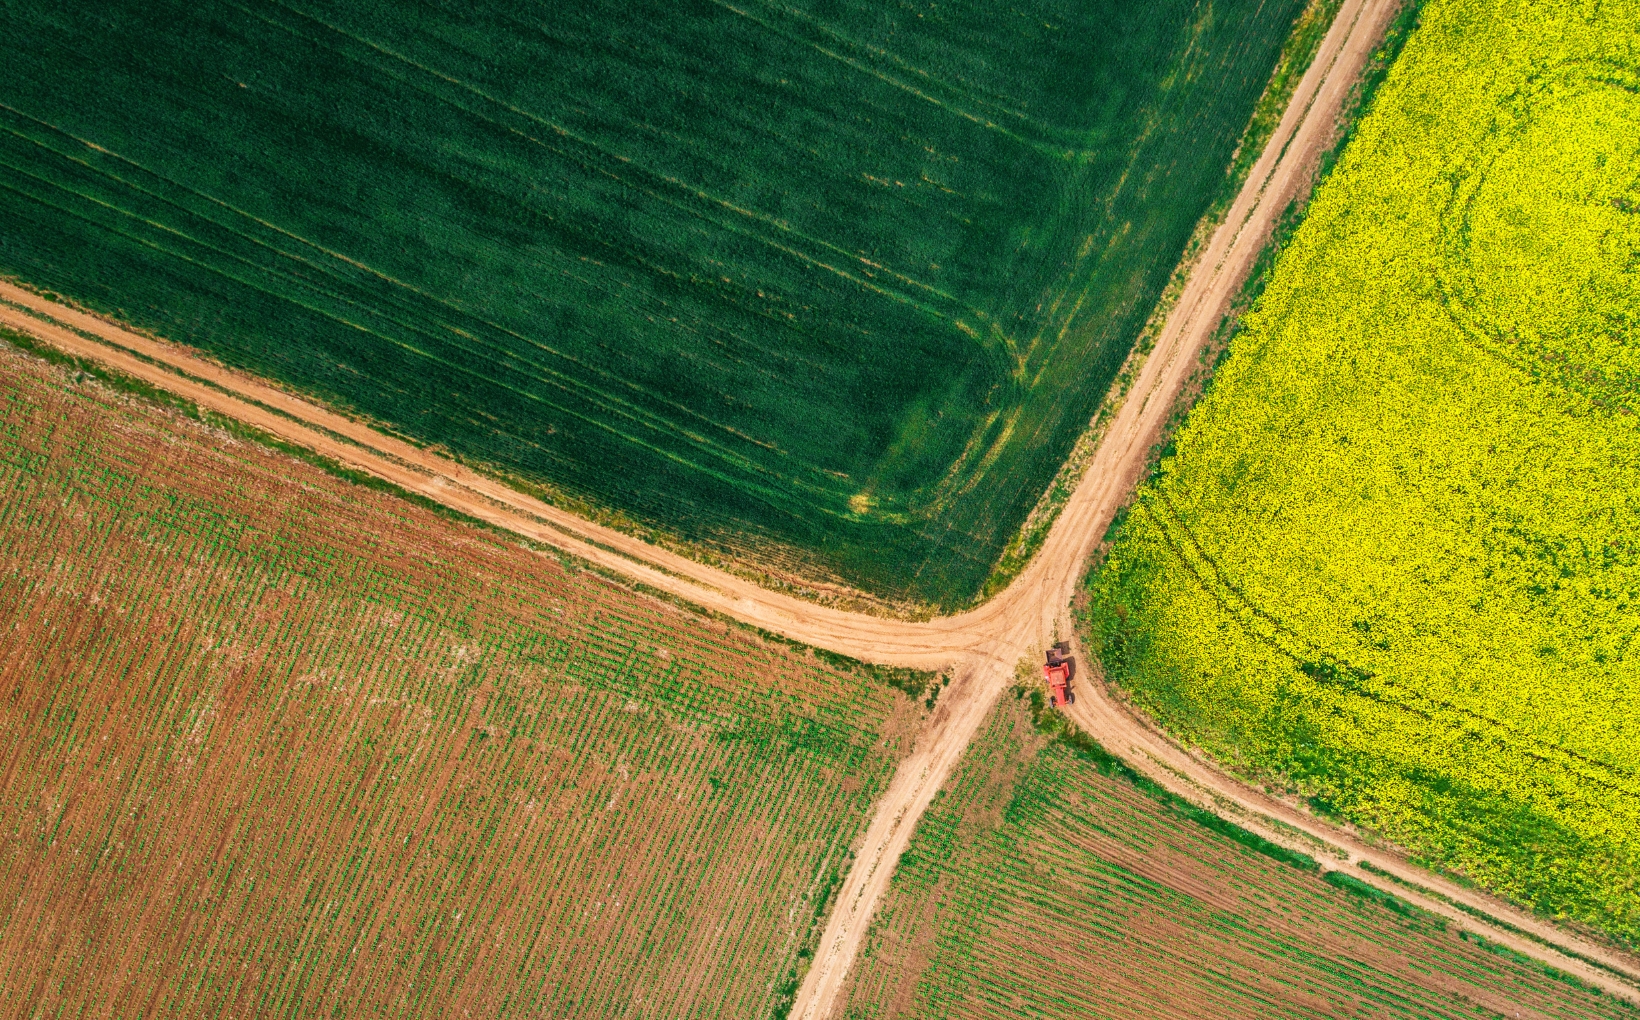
{"x":985,"y":643}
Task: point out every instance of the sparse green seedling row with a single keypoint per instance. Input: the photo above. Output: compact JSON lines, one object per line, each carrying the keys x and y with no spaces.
{"x":273,"y":744}
{"x":1391,"y":562}
{"x":1043,"y":882}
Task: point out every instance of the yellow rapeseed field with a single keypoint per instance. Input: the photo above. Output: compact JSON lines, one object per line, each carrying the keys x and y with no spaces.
{"x":1394,"y":557}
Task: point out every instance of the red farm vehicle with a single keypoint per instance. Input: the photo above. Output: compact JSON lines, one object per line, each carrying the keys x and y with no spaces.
{"x":1058,"y":672}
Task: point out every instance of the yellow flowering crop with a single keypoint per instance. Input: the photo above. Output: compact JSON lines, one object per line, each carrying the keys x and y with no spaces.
{"x":1395,"y":558}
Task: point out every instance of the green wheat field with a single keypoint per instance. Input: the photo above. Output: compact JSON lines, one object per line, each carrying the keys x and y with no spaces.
{"x":831,"y":286}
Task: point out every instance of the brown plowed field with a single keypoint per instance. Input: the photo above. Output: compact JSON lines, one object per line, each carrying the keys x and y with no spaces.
{"x":1041,"y":885}
{"x":274,"y":744}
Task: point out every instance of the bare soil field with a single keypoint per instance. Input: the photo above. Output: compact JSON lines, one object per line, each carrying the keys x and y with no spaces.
{"x":1040,"y":884}
{"x":271,"y":743}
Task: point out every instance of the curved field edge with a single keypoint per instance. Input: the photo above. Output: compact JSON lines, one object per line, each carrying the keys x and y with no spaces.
{"x":315,"y":748}
{"x":112,"y":187}
{"x":1049,"y":880}
{"x":1435,"y":703}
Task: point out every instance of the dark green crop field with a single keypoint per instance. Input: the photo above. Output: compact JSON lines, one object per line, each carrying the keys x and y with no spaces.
{"x":834,"y":284}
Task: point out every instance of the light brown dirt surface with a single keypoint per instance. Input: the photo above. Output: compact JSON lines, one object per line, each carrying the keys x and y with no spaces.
{"x":986,"y":642}
{"x":272,"y":744}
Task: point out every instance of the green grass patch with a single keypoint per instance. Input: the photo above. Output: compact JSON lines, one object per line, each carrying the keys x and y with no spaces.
{"x":1389,"y":901}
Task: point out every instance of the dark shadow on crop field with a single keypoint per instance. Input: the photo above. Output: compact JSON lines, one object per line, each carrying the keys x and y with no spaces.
{"x":842,"y":279}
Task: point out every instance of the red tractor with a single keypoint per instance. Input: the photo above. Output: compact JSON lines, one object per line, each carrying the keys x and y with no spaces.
{"x":1058,"y":672}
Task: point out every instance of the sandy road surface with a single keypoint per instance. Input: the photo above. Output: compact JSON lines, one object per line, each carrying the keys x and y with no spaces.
{"x":985,"y":643}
